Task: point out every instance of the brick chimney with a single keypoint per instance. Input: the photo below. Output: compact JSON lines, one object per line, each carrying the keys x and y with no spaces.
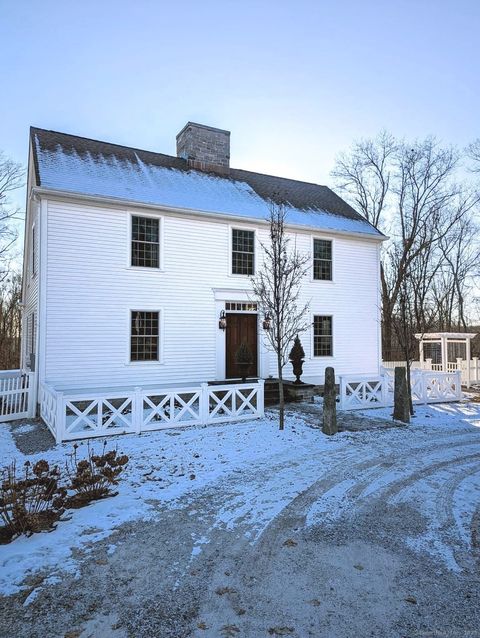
{"x":204,"y":147}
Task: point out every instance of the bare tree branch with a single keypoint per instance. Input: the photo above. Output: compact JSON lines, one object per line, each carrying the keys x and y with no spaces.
{"x":276,"y":287}
{"x":409,"y":192}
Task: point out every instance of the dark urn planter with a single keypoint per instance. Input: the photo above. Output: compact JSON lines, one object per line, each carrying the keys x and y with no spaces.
{"x":297,"y":358}
{"x":244,"y":360}
{"x":244,"y":369}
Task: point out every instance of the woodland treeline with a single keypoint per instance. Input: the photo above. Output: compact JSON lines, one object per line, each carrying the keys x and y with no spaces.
{"x":425,"y":197}
{"x":12,"y":176}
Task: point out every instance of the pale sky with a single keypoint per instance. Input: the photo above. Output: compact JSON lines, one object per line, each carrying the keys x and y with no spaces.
{"x":294,"y":81}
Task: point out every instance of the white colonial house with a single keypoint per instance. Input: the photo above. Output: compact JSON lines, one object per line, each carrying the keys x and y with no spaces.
{"x":133,"y":257}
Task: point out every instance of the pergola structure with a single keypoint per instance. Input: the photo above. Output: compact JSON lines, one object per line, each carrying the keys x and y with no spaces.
{"x":444,"y":339}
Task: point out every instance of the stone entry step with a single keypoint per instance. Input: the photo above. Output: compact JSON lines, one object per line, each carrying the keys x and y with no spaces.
{"x":294,"y":392}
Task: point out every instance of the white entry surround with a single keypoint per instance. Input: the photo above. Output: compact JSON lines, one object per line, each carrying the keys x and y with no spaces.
{"x":222,"y":295}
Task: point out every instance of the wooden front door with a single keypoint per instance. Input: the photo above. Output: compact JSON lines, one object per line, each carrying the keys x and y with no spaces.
{"x":240,"y":328}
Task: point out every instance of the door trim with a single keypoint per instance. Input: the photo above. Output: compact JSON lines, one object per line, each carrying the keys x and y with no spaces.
{"x":247,"y":313}
{"x":222,"y":295}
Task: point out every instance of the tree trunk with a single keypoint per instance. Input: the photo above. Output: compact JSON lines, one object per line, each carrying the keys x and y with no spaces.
{"x":387,"y":335}
{"x":281,"y":396}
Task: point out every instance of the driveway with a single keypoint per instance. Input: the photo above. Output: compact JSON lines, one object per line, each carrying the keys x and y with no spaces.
{"x":372,"y":533}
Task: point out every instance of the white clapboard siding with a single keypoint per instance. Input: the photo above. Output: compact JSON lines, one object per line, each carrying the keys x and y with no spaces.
{"x":31,"y":282}
{"x":90,"y":290}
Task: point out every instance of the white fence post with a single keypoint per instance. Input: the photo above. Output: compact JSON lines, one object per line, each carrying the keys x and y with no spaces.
{"x":32,"y":395}
{"x":137,"y":410}
{"x":261,"y":397}
{"x":60,"y":418}
{"x":342,"y":393}
{"x":428,"y":365}
{"x":385,"y":380}
{"x":475,"y":370}
{"x":204,"y":403}
{"x":458,"y":388}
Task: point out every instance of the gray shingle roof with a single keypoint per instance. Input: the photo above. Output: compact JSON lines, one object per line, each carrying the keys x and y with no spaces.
{"x":79,"y":165}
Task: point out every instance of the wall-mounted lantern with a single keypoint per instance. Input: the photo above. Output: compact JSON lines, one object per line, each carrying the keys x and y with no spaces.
{"x":266,"y":322}
{"x":222,"y":322}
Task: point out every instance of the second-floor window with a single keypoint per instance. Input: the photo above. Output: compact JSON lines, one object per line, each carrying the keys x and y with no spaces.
{"x":243,"y":252}
{"x":322,"y":259}
{"x":145,"y":242}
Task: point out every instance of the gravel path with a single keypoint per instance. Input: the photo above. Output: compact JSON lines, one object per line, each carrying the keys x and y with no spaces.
{"x":383,"y":543}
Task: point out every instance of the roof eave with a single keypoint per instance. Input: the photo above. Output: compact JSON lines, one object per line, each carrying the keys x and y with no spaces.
{"x":115,"y":201}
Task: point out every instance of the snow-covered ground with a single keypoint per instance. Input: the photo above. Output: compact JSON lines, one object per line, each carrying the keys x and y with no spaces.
{"x":250,"y":480}
{"x":164,"y":466}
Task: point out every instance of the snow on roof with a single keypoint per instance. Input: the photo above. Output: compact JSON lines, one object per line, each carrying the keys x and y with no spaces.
{"x":103,"y":170}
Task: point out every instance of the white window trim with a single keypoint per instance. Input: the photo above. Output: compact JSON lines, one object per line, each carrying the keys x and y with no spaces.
{"x":33,"y":252}
{"x":231,"y":228}
{"x":161,"y":340}
{"x":333,"y":242}
{"x":161,"y":242}
{"x":242,"y":312}
{"x":321,"y":313}
{"x":28,"y":330}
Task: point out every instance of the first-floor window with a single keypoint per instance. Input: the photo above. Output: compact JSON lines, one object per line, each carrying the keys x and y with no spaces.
{"x":322,"y":336}
{"x":144,"y":340}
{"x":30,"y":340}
{"x":32,"y":334}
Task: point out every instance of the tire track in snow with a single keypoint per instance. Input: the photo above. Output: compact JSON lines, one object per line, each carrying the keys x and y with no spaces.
{"x":351,"y":487}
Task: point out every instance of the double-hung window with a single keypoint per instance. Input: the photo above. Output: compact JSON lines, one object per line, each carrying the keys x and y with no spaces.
{"x":243,"y":252}
{"x":322,"y":336}
{"x":145,"y":242}
{"x":144,"y":336}
{"x":322,"y":259}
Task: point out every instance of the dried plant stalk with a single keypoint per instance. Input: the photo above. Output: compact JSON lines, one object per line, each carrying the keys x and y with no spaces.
{"x":92,"y":478}
{"x":31,"y":501}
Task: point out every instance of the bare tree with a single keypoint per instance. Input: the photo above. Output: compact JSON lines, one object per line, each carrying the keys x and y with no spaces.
{"x":276,"y":288}
{"x":11,"y":179}
{"x":409,"y":192}
{"x":460,"y":270}
{"x":473,"y":152}
{"x":10,"y":321}
{"x":364,"y":175}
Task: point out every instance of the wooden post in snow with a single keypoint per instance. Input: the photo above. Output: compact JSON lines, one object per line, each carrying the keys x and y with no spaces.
{"x":401,"y":401}
{"x":329,"y":403}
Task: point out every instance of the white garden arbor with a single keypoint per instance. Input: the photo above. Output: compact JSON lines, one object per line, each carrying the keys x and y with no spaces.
{"x":448,"y":352}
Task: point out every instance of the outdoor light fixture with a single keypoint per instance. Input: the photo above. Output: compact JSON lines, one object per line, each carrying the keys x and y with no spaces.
{"x":266,"y":322}
{"x":222,"y":322}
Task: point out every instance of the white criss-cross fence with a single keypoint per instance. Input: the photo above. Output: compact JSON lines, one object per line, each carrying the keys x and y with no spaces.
{"x":376,"y":391}
{"x":17,"y":395}
{"x":81,"y":414}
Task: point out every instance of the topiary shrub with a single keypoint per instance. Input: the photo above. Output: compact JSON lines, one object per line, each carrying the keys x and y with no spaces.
{"x":297,"y":357}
